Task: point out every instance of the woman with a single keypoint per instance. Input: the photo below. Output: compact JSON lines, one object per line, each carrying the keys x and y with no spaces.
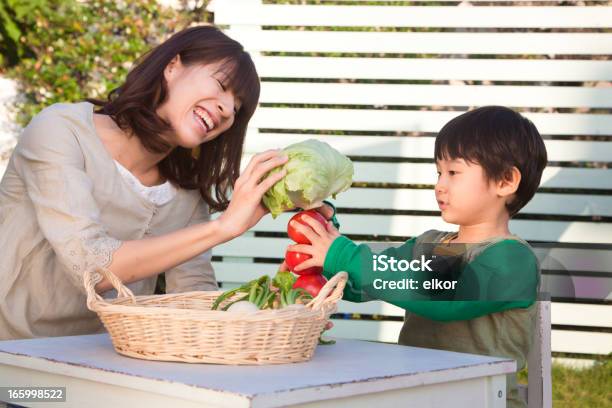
{"x":130,"y":186}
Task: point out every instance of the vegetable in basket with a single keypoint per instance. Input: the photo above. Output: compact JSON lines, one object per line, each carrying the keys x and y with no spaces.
{"x":258,"y":293}
{"x":310,"y":283}
{"x":288,"y":295}
{"x":243,"y":306}
{"x":315,"y":171}
{"x":261,"y":295}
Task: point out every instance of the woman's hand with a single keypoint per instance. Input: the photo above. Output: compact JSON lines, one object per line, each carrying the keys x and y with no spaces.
{"x":245,"y":208}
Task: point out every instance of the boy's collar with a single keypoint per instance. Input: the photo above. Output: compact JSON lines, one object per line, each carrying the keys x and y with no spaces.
{"x":449,"y":237}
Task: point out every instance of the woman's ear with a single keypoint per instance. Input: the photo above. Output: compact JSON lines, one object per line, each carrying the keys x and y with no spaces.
{"x":509,"y":183}
{"x":173,"y":66}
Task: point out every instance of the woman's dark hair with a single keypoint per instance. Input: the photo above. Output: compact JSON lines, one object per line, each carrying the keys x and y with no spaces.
{"x":496,"y":138}
{"x":133,"y":107}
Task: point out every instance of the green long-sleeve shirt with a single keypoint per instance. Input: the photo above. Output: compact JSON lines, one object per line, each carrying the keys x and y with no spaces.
{"x":503,"y":276}
{"x":491,"y":312}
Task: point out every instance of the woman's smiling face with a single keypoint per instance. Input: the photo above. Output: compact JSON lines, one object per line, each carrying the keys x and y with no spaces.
{"x":198,"y":105}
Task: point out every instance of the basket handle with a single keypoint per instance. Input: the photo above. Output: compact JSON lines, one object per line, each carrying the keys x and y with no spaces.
{"x":91,"y":279}
{"x":335,"y":285}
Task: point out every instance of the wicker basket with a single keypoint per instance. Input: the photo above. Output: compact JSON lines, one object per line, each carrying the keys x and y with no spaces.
{"x":181,"y":327}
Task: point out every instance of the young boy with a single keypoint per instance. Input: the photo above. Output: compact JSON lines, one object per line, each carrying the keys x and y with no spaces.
{"x":489,"y":163}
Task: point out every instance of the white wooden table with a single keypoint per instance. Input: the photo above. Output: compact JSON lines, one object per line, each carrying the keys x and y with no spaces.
{"x":351,"y":373}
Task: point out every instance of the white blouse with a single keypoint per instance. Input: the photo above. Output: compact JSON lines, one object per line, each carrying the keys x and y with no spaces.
{"x":158,"y":195}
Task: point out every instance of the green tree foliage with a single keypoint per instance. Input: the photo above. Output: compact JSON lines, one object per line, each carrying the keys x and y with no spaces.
{"x":68,"y":50}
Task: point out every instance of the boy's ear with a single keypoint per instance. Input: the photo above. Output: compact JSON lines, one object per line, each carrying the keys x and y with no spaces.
{"x":509,"y":183}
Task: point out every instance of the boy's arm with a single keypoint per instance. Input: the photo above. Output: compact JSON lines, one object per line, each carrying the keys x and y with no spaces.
{"x":356,"y":260}
{"x":505,"y":276}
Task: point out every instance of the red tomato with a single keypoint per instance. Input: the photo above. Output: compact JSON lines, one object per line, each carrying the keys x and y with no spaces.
{"x":297,"y":236}
{"x":310,"y":283}
{"x":293,"y":259}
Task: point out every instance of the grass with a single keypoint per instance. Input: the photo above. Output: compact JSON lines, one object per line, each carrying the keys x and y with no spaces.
{"x":584,"y":388}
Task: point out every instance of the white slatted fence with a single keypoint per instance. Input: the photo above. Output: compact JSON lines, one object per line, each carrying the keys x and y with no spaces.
{"x":378,"y":81}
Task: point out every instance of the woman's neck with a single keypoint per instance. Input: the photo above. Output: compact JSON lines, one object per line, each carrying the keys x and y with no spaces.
{"x":129,"y":151}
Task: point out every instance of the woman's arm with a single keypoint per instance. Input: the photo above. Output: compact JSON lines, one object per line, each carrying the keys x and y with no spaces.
{"x":49,"y":160}
{"x":139,"y":259}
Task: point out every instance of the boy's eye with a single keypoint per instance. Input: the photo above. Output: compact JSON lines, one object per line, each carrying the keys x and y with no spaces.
{"x":452,"y":172}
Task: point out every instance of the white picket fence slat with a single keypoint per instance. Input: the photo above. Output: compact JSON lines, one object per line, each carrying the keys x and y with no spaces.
{"x":557,"y":258}
{"x":537,"y":2}
{"x":424,"y":200}
{"x":425,"y":43}
{"x":411,"y":225}
{"x":417,"y":147}
{"x":573,"y":314}
{"x":590,"y":288}
{"x":425,"y":173}
{"x":268,"y":247}
{"x":562,"y":313}
{"x":416,"y":120}
{"x":434,"y":68}
{"x":435,"y":95}
{"x":405,"y":16}
{"x":567,"y":341}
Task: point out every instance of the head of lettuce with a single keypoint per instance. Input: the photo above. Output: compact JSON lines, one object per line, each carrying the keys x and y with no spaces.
{"x":315,"y":171}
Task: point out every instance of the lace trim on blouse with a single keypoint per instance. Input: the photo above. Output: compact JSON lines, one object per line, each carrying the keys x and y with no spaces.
{"x":93,"y":249}
{"x":157,"y":195}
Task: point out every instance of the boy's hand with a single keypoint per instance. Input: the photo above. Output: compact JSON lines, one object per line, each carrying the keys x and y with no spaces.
{"x":321,"y":238}
{"x":325,"y":210}
{"x":283,"y":267}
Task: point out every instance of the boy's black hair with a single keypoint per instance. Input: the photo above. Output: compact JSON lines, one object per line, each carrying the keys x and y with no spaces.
{"x":497,"y":138}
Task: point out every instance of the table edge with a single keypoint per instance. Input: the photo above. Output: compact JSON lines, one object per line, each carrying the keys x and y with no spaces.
{"x":265,"y":399}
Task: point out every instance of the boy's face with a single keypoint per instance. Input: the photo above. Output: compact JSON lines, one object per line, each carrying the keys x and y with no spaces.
{"x":464,"y":195}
